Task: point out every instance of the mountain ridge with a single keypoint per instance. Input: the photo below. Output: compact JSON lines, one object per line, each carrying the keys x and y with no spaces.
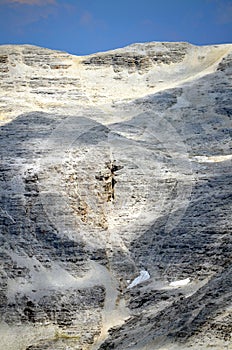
{"x":94,"y":83}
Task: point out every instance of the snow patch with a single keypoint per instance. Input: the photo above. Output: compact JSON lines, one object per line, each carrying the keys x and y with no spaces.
{"x":144,"y":276}
{"x":180,"y":283}
{"x":213,"y":159}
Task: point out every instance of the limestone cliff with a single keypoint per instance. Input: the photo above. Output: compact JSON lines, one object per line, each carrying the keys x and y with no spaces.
{"x":111,"y":164}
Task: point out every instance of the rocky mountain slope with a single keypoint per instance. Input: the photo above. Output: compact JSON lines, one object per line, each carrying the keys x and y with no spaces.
{"x":113,"y":164}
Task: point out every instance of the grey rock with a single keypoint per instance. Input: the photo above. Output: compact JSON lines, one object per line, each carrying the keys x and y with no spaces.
{"x":111,"y":164}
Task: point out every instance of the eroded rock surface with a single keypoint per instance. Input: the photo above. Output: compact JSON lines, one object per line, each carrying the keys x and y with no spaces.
{"x":111,"y":164}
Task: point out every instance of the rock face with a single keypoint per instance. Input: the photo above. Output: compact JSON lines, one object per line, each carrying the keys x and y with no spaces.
{"x":112,"y":164}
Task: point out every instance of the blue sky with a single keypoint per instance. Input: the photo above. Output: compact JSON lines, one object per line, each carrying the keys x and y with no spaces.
{"x":86,"y":26}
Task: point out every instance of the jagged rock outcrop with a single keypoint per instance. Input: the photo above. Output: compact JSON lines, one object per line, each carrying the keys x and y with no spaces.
{"x":110,"y":164}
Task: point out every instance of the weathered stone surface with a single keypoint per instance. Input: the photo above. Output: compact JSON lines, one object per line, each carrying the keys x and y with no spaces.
{"x":111,"y":164}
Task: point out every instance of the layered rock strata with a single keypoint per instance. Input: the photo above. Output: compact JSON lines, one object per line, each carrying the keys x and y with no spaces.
{"x":111,"y":164}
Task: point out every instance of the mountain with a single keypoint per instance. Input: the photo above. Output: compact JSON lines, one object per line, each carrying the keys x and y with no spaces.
{"x":115,"y":210}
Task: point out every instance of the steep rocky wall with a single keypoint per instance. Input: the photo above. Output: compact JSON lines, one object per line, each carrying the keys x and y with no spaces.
{"x":101,"y":180}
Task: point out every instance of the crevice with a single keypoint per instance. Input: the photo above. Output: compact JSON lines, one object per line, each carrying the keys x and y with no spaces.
{"x":107,"y":176}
